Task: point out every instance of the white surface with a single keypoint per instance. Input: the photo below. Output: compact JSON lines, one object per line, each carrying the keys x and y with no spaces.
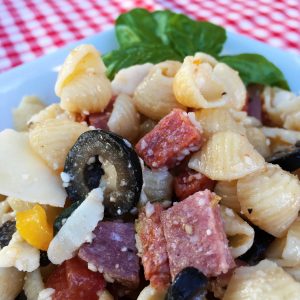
{"x":38,"y":77}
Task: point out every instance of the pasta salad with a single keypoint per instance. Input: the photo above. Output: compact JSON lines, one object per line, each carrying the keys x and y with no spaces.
{"x":160,"y":180}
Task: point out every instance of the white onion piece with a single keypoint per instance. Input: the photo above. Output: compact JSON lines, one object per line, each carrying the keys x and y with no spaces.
{"x":77,"y":228}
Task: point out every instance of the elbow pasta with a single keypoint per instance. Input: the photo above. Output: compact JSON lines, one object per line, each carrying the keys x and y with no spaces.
{"x":205,"y":83}
{"x":263,"y":281}
{"x":227,"y":156}
{"x":227,"y":190}
{"x":127,"y":80}
{"x":270,"y":199}
{"x":239,"y":233}
{"x":82,"y":84}
{"x":154,"y":96}
{"x":124,"y":119}
{"x":213,"y":120}
{"x":150,"y":293}
{"x":29,"y":106}
{"x":53,"y":139}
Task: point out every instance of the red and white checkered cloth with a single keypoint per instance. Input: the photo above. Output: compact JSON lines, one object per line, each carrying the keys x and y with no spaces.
{"x":31,"y":28}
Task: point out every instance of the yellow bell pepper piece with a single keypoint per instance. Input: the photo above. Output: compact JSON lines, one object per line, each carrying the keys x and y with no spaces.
{"x":32,"y":225}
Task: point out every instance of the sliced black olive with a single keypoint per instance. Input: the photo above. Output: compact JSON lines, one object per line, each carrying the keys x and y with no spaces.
{"x":121,"y":166}
{"x":6,"y":232}
{"x":256,"y":253}
{"x":288,"y":159}
{"x":65,"y":214}
{"x":21,"y":296}
{"x":189,"y":284}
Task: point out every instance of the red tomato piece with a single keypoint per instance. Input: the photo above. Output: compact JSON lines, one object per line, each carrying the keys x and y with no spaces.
{"x":171,"y":140}
{"x":189,"y":182}
{"x":72,"y":280}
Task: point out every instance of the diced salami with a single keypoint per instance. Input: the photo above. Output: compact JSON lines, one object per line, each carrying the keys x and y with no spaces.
{"x":189,"y":182}
{"x":153,"y":246}
{"x":171,"y":140}
{"x":99,"y":120}
{"x":113,"y":252}
{"x":195,"y":236}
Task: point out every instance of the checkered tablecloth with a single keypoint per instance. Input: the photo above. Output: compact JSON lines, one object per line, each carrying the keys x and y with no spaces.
{"x":31,"y":28}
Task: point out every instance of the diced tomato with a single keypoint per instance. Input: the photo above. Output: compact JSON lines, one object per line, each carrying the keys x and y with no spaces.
{"x":171,"y":140}
{"x":74,"y":281}
{"x":189,"y":182}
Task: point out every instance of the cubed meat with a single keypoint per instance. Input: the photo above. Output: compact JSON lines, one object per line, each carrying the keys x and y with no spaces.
{"x":153,"y":247}
{"x":113,"y":253}
{"x":189,"y":182}
{"x":195,"y":236}
{"x":171,"y":140}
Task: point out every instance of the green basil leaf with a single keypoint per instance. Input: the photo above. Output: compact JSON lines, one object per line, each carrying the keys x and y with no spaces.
{"x":189,"y":36}
{"x":142,"y":26}
{"x":254,"y":68}
{"x":137,"y":54}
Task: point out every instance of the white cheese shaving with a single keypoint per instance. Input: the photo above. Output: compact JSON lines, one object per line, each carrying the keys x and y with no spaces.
{"x":77,"y":228}
{"x":18,"y":253}
{"x":41,"y":184}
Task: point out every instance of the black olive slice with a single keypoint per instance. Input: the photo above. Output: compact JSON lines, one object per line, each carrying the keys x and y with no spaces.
{"x":119,"y":169}
{"x":189,"y":284}
{"x":288,"y":159}
{"x":261,"y":242}
{"x":6,"y":232}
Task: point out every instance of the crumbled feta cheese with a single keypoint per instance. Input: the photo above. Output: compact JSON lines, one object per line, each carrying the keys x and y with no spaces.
{"x":46,"y":294}
{"x":208,"y":232}
{"x":149,"y":209}
{"x":65,"y":177}
{"x":18,"y":253}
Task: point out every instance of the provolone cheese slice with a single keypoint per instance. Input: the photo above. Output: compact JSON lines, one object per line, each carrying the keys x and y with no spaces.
{"x":24,"y":175}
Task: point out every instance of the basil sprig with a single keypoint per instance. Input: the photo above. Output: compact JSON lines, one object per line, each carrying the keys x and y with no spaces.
{"x":145,"y":36}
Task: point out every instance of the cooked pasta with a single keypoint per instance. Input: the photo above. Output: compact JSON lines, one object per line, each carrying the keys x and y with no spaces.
{"x":280,"y":105}
{"x":258,"y":140}
{"x":264,"y":281}
{"x":124,"y":119}
{"x":203,"y":83}
{"x":4,"y":210}
{"x":11,"y":283}
{"x":53,"y":139}
{"x":281,"y":138}
{"x":53,"y":111}
{"x":150,"y":293}
{"x":227,"y":190}
{"x":126,"y":80}
{"x":18,"y":204}
{"x":33,"y":284}
{"x":239,"y":233}
{"x":286,"y":251}
{"x":242,"y":118}
{"x":213,"y":120}
{"x":29,"y":106}
{"x":294,"y":272}
{"x":157,"y":185}
{"x":227,"y":156}
{"x":154,"y":96}
{"x":270,"y":199}
{"x":292,"y":121}
{"x":82,"y":84}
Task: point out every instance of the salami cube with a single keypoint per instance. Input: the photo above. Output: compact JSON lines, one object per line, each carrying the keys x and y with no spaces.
{"x":189,"y":182}
{"x":153,"y":247}
{"x":195,"y":236}
{"x":171,"y":140}
{"x":113,"y":253}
